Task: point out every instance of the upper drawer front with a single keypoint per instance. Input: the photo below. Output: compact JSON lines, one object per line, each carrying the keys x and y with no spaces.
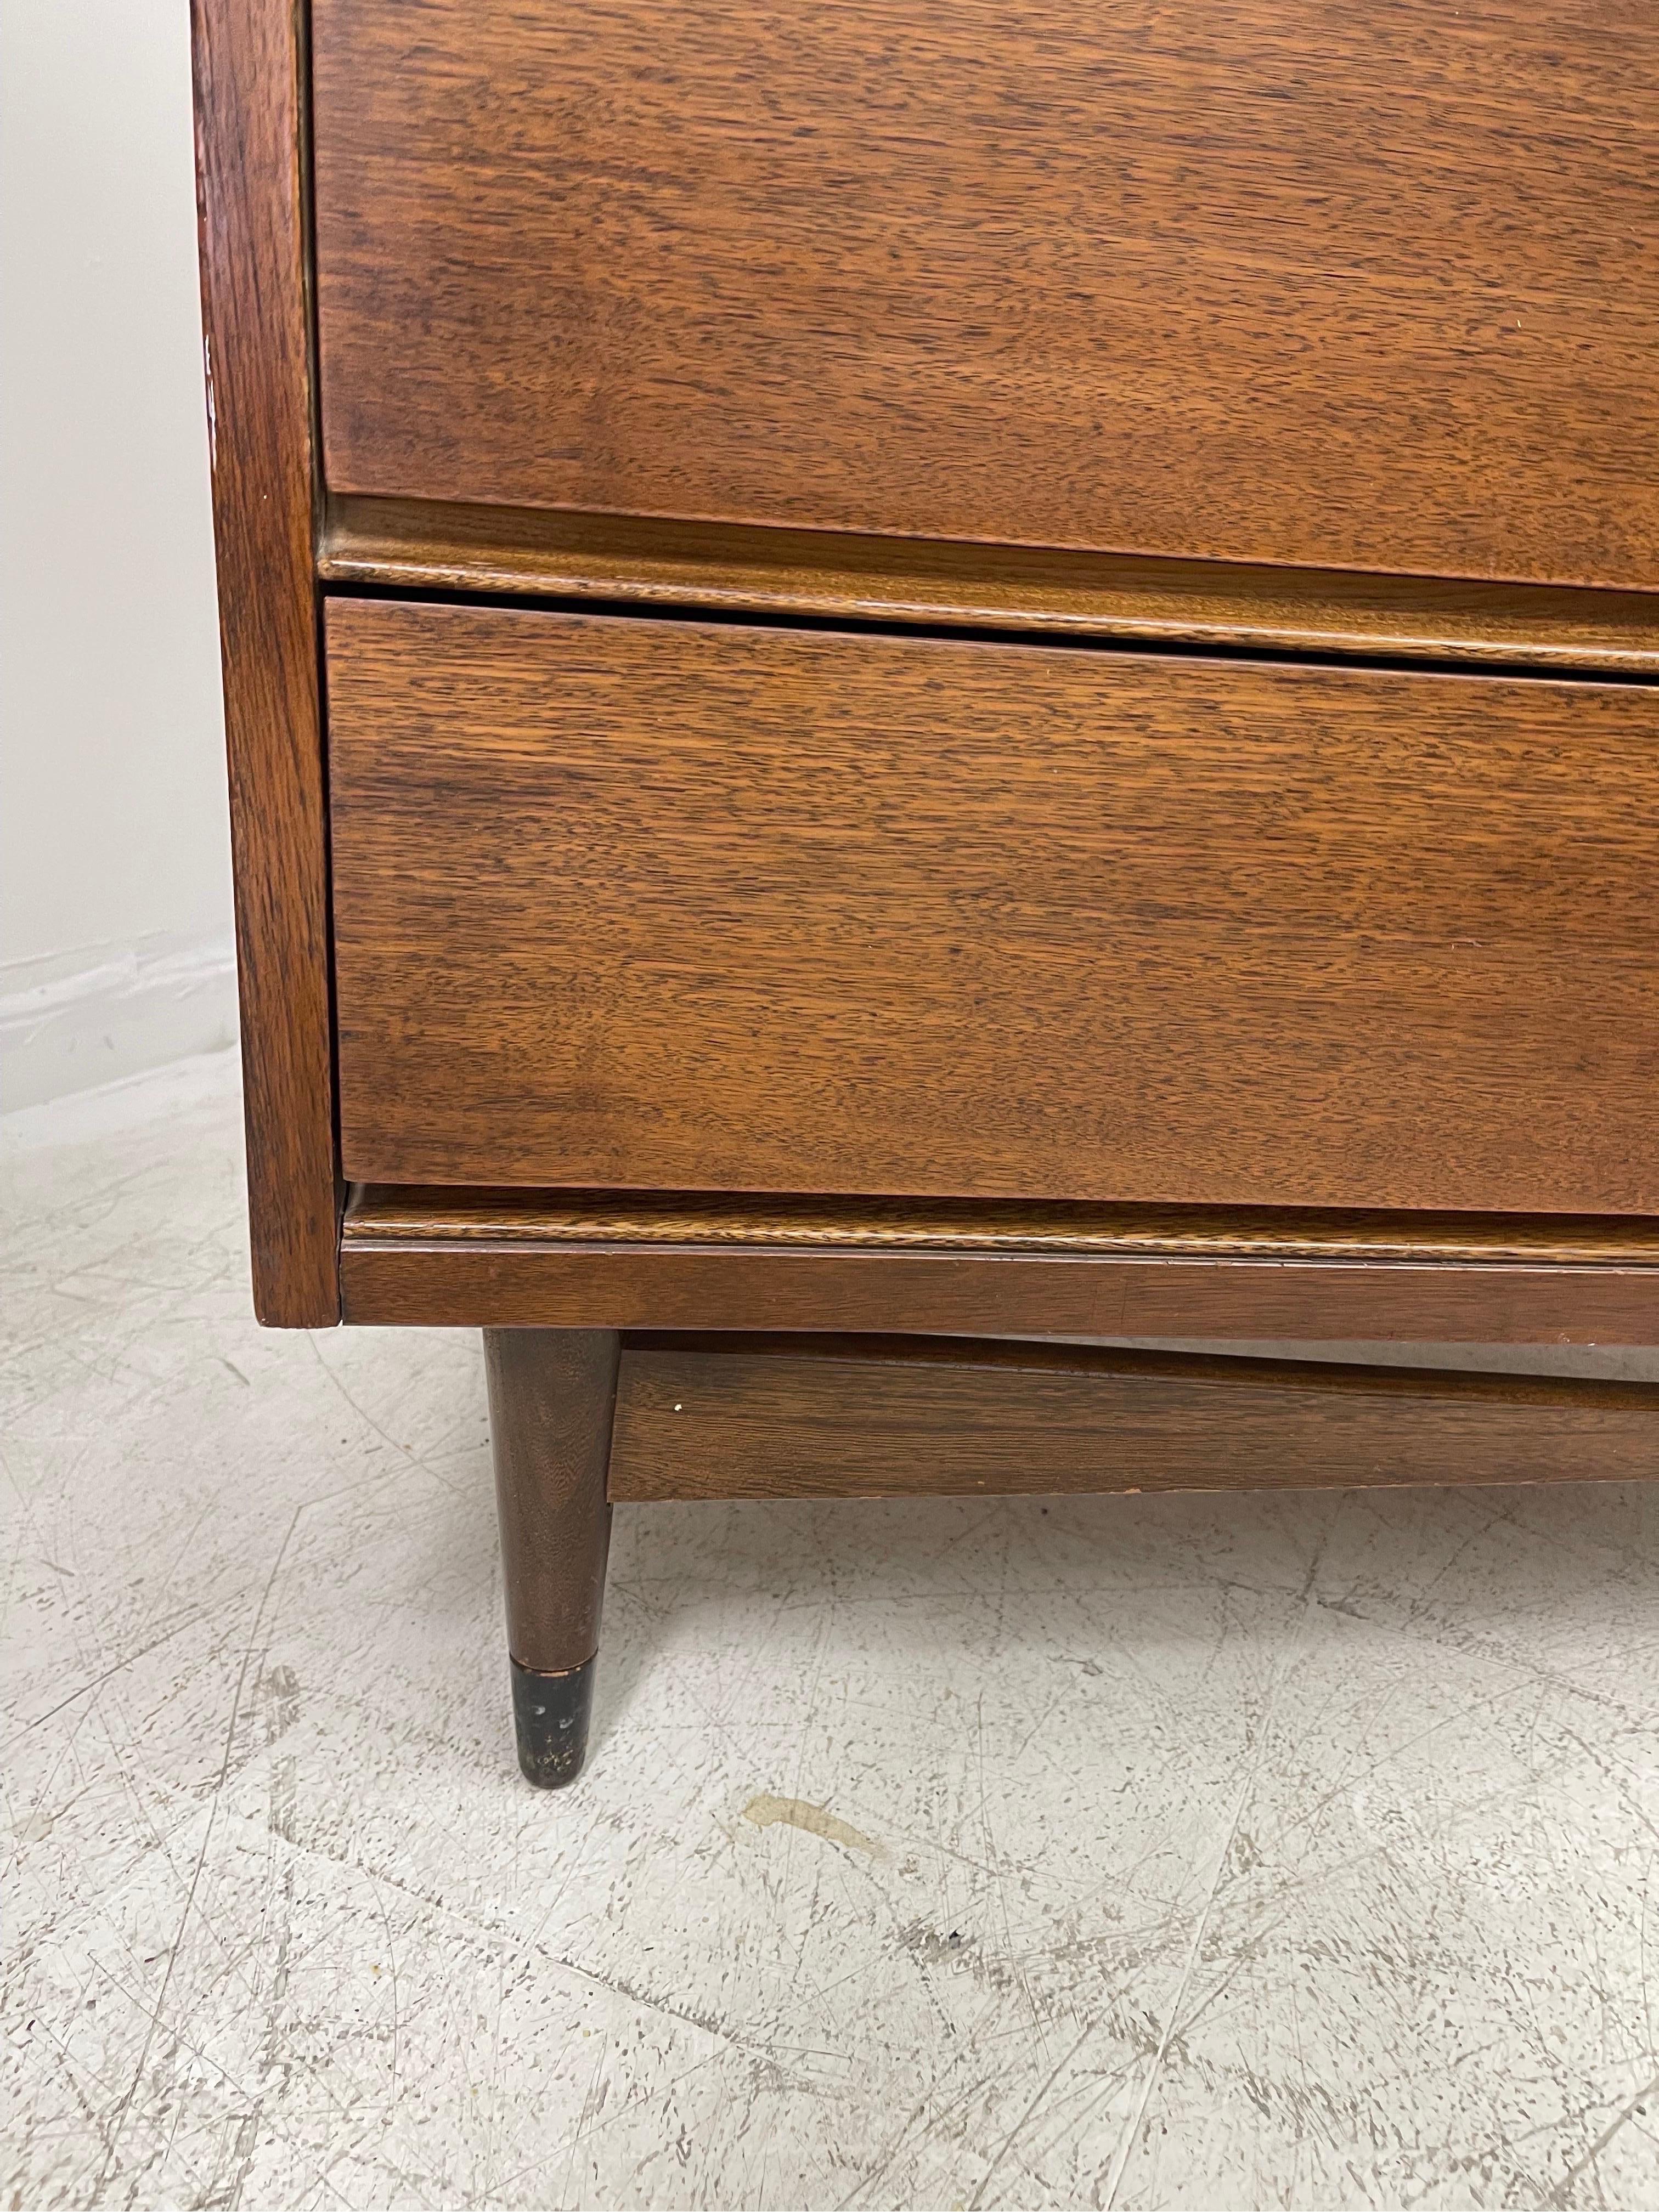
{"x":1278,"y":280}
{"x":667,"y":903}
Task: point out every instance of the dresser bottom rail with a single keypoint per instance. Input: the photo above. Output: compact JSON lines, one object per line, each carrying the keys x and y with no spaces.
{"x":433,"y":1258}
{"x":859,"y":1417}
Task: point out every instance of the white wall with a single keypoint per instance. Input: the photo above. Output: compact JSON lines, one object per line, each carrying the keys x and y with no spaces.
{"x":115,"y":947}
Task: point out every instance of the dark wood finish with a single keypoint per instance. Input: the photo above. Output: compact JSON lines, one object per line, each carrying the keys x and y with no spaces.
{"x":257,"y":349}
{"x":645,"y":903}
{"x":435,"y":1258}
{"x":852,"y":1416}
{"x":1288,"y":281}
{"x":551,"y":1396}
{"x":411,"y":544}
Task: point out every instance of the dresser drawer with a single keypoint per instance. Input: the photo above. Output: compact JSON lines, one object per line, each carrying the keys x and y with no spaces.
{"x":659,"y":903}
{"x":1365,"y":286}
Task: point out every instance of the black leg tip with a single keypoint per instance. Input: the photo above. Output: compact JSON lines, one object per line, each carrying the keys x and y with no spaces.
{"x":549,"y":1718}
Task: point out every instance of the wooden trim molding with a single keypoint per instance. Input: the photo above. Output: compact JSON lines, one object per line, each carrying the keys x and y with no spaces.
{"x":632,"y":1260}
{"x":388,"y":1214}
{"x":635,"y":561}
{"x":849,"y":1417}
{"x":251,"y":198}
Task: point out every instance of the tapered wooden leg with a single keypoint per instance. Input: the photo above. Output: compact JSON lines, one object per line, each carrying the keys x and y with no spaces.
{"x":552,"y":1394}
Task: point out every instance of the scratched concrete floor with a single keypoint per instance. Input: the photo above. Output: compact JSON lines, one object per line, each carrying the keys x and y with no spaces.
{"x":1258,"y":1851}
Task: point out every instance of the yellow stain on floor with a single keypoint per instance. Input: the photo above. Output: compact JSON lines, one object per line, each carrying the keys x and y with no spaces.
{"x":765,"y":1811}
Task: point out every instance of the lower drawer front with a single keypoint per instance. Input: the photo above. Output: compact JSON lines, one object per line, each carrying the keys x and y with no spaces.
{"x":688,"y":905}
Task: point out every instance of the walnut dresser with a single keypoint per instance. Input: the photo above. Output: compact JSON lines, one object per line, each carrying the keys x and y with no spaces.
{"x":913,"y":685}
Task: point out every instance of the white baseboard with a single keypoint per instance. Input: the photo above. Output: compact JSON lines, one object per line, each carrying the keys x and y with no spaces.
{"x":74,"y":1021}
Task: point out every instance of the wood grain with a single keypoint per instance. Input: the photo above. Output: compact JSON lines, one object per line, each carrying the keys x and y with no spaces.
{"x":434,"y":1280}
{"x":259,"y":374}
{"x":649,"y":904}
{"x":1288,"y":281}
{"x":552,"y":1393}
{"x":620,"y":560}
{"x":855,"y":1417}
{"x":392,"y":1216}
